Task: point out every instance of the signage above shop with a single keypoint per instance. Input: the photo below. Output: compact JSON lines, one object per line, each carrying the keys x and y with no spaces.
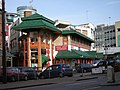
{"x":63,"y":47}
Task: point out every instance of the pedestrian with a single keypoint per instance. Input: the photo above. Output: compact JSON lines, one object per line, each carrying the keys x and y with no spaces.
{"x":35,"y":72}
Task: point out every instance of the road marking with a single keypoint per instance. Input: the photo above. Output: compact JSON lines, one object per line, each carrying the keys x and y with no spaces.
{"x":92,"y":88}
{"x":71,"y":84}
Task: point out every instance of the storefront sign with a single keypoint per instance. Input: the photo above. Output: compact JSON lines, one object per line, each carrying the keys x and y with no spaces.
{"x":58,"y":48}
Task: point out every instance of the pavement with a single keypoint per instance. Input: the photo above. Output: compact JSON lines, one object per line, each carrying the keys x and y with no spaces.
{"x":104,"y":81}
{"x":77,"y":77}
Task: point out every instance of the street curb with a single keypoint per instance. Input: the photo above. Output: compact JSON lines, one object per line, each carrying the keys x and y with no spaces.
{"x":86,"y":78}
{"x":26,"y":86}
{"x":110,"y":84}
{"x":17,"y":87}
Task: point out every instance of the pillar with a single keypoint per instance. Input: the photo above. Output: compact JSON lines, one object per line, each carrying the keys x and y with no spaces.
{"x":39,"y":52}
{"x":24,"y":61}
{"x":51,"y":50}
{"x":28,"y":50}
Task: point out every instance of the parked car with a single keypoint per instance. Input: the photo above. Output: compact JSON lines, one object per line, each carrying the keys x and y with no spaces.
{"x":32,"y":73}
{"x":13,"y":74}
{"x":99,"y":66}
{"x":83,"y":67}
{"x":58,"y":70}
{"x":97,"y":63}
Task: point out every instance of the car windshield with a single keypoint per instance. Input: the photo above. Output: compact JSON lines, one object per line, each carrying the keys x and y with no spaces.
{"x":96,"y":61}
{"x":66,"y":66}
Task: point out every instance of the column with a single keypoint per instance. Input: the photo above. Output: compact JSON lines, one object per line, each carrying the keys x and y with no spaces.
{"x":51,"y":51}
{"x":28,"y":50}
{"x":24,"y":61}
{"x":39,"y":52}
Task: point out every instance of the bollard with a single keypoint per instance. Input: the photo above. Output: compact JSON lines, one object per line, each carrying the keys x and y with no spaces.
{"x":110,"y":74}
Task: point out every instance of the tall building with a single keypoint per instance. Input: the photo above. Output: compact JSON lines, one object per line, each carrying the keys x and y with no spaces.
{"x":25,"y":10}
{"x":107,"y":38}
{"x":88,"y":30}
{"x":117,"y":30}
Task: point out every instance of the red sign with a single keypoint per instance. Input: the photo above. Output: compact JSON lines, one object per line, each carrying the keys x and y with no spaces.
{"x":58,"y":48}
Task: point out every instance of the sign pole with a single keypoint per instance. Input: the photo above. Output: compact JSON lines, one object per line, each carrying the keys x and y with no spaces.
{"x":3,"y":44}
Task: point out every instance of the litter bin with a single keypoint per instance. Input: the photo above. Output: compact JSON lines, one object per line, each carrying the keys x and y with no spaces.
{"x":110,"y":74}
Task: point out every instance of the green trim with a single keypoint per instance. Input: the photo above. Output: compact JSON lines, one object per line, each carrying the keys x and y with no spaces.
{"x":64,"y":32}
{"x":66,"y":54}
{"x":82,"y":54}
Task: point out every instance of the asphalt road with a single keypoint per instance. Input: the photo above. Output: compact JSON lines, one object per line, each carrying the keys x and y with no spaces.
{"x":92,"y":84}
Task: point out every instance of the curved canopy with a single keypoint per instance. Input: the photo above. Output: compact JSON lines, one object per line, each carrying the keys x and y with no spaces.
{"x":36,"y":21}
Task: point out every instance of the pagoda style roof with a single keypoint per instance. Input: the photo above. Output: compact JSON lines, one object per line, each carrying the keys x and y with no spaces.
{"x":36,"y":22}
{"x":71,"y":32}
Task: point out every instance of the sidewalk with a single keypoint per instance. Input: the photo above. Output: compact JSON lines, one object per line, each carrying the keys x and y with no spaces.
{"x":41,"y":82}
{"x":77,"y":77}
{"x":103,"y":80}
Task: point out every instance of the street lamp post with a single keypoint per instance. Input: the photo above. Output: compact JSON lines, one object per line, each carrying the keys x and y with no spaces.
{"x":3,"y":43}
{"x":106,"y":48}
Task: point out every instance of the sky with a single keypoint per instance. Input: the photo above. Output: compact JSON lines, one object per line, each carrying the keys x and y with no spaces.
{"x":74,"y":11}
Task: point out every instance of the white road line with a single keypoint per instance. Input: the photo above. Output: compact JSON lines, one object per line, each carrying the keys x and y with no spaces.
{"x":92,"y":88}
{"x":78,"y":83}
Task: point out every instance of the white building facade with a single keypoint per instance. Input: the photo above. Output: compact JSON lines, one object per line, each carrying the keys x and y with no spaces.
{"x":87,"y":30}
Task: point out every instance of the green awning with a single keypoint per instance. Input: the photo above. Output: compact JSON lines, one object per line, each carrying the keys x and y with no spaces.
{"x":45,"y":59}
{"x":36,"y":21}
{"x":82,"y":54}
{"x":67,"y":54}
{"x":94,"y":54}
{"x":100,"y":55}
{"x":64,"y":32}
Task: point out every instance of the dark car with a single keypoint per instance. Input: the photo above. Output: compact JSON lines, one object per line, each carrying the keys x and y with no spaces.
{"x":58,"y":70}
{"x":83,"y":67}
{"x":32,"y":73}
{"x":13,"y":74}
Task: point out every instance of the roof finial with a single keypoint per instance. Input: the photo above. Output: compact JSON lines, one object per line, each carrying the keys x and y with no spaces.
{"x":30,"y":2}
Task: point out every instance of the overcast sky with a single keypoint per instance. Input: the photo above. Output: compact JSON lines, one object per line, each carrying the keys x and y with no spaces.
{"x":75,"y":11}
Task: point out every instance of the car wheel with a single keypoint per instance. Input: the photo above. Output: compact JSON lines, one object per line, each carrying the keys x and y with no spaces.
{"x":25,"y":78}
{"x":61,"y":75}
{"x":13,"y":79}
{"x":70,"y":75}
{"x":84,"y":71}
